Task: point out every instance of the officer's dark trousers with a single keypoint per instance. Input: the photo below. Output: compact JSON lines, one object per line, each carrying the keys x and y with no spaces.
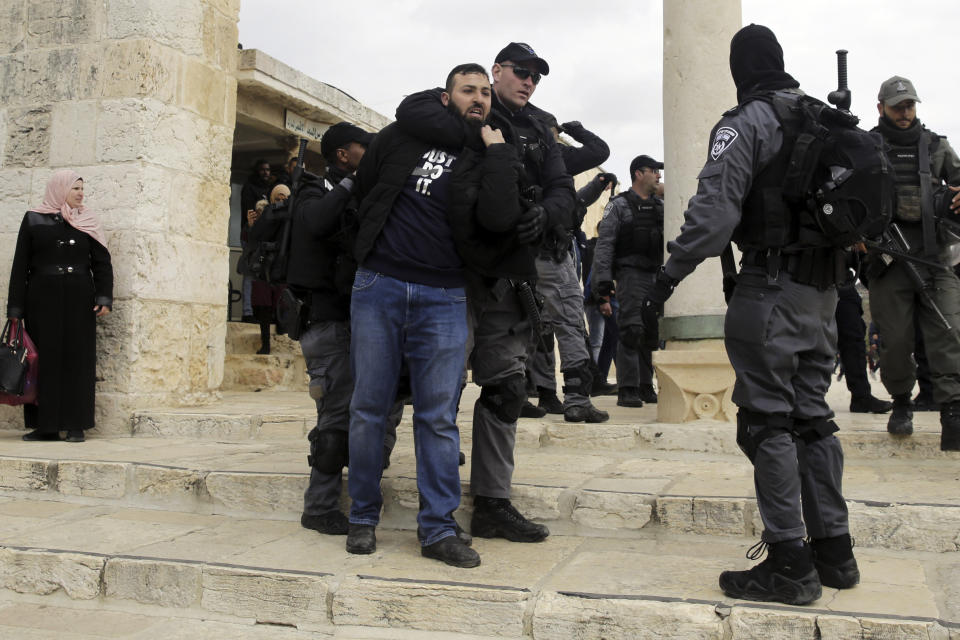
{"x":851,"y":332}
{"x":781,"y":340}
{"x":499,"y":336}
{"x":634,"y":366}
{"x":893,"y":301}
{"x":560,"y":287}
{"x":326,"y":350}
{"x":542,"y":367}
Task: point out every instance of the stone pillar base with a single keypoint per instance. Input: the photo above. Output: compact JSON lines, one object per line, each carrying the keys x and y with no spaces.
{"x":695,"y":382}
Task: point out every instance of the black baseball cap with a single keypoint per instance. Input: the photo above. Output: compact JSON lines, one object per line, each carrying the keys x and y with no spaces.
{"x":340,"y":135}
{"x":522,"y":52}
{"x":641,"y":162}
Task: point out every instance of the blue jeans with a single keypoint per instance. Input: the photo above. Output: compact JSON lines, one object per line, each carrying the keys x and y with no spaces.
{"x":395,"y":322}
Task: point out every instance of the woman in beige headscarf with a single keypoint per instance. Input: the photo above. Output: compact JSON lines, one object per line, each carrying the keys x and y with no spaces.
{"x":264,"y":296}
{"x":60,"y":283}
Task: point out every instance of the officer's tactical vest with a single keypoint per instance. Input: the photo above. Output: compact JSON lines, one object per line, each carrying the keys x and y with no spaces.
{"x":906,"y":163}
{"x":642,"y":235}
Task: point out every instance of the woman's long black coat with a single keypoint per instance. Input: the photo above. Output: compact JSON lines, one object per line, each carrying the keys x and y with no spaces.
{"x":58,"y":275}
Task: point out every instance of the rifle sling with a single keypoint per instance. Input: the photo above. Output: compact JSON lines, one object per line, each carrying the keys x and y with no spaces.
{"x":926,"y":197}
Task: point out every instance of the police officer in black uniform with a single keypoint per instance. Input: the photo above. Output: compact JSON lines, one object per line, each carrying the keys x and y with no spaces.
{"x":780,"y":332}
{"x":320,"y":274}
{"x":630,"y":251}
{"x":541,"y":361}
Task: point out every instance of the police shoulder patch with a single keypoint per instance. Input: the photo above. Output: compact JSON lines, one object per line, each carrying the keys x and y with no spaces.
{"x":722,"y":141}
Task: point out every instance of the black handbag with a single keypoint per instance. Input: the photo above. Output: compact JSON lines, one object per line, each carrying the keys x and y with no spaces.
{"x":13,"y":358}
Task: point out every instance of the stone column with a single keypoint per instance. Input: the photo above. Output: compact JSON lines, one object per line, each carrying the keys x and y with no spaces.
{"x":694,"y":375}
{"x":139,"y":97}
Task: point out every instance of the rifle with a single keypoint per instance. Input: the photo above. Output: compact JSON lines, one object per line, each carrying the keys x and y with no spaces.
{"x":892,"y":245}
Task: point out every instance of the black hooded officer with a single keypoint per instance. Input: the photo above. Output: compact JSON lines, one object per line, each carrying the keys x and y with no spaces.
{"x":780,"y":333}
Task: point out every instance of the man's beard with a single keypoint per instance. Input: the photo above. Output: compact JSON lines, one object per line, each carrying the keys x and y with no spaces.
{"x":471,"y":122}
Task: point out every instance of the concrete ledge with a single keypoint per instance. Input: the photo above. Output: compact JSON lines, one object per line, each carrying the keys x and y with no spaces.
{"x":333,"y":603}
{"x":625,"y":497}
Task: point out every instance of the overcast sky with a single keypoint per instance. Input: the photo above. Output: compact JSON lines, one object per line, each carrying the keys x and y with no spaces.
{"x":605,"y":57}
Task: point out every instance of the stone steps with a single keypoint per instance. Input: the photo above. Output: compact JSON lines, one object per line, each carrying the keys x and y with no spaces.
{"x":35,"y":618}
{"x":197,"y":532}
{"x":112,"y":559}
{"x":243,"y":338}
{"x":244,"y":416}
{"x":895,"y":504}
{"x":244,"y":371}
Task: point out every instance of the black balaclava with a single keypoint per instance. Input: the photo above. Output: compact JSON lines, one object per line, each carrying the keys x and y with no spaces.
{"x":756,"y":62}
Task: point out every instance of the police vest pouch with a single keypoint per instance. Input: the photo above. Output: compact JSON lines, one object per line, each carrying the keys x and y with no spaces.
{"x":854,"y":184}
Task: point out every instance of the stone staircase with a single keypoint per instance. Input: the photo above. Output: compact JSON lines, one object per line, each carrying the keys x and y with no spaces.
{"x":195,"y":518}
{"x":243,"y":370}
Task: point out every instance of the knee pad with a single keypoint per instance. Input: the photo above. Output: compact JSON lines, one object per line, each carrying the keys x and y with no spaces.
{"x":632,"y":336}
{"x":579,"y":380}
{"x":506,"y":398}
{"x":753,"y":428}
{"x":329,"y":450}
{"x":316,"y":390}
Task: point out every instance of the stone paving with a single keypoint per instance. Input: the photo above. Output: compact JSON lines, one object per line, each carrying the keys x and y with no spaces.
{"x":192,"y":525}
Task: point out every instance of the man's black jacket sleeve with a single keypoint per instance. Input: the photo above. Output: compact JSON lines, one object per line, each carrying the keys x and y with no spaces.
{"x":593,"y":153}
{"x":424,"y":117}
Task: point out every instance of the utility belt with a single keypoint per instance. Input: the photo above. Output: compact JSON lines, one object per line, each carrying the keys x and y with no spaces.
{"x":820,"y":267}
{"x":60,"y":270}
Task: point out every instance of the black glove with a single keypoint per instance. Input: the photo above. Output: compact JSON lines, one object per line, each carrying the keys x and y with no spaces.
{"x":531,"y":224}
{"x":571,"y":127}
{"x":605,"y":288}
{"x":652,"y":307}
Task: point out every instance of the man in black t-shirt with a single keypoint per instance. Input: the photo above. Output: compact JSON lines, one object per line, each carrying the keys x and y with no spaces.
{"x":424,"y":208}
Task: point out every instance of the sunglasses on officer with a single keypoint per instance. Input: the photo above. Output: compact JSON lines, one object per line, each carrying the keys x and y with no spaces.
{"x":523,"y":73}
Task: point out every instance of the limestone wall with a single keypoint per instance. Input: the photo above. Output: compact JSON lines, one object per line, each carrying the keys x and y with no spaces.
{"x":139,"y":96}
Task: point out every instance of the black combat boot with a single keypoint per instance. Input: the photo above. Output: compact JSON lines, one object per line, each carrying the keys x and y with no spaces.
{"x":497,"y":518}
{"x":602,"y":388}
{"x":869,"y":404}
{"x":332,"y":523}
{"x":529,"y":410}
{"x":629,"y":397}
{"x":647,"y":394}
{"x":585,"y":413}
{"x":835,"y":563}
{"x":901,"y":420}
{"x":950,"y":426}
{"x":787,"y":575}
{"x":549,"y":401}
